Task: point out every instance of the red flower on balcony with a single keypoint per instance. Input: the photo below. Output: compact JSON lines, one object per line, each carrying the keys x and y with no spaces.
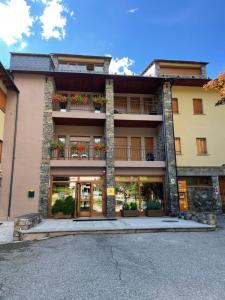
{"x":99,"y":147}
{"x":59,"y":98}
{"x":78,"y":147}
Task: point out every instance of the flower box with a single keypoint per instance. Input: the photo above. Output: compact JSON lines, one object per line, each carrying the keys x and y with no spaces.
{"x":154,"y":213}
{"x":129,"y":213}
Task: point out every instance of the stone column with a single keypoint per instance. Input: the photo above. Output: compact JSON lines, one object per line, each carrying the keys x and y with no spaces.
{"x":216,"y":194}
{"x":109,"y":138}
{"x":168,"y":132}
{"x":46,"y":140}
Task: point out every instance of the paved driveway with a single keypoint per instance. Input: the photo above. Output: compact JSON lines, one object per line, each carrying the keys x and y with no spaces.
{"x":133,"y":266}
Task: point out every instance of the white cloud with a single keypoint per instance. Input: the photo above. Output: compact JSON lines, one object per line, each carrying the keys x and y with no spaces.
{"x":16,"y":21}
{"x":23,"y":45}
{"x":121,"y":65}
{"x":132,"y":10}
{"x":53,"y":20}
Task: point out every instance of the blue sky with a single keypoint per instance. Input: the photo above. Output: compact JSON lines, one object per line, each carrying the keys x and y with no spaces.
{"x":134,"y":32}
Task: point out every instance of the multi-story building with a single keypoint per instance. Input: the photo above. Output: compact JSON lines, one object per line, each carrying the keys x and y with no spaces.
{"x":7,"y":90}
{"x":105,"y":139}
{"x":199,"y":140}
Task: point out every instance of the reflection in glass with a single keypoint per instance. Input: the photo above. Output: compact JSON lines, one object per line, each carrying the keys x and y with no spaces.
{"x":97,"y":197}
{"x":85,"y":196}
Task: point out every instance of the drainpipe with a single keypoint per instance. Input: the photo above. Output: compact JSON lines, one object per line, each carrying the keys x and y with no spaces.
{"x":13,"y":157}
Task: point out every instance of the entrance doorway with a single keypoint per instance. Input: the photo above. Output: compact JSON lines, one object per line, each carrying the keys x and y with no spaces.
{"x":87,"y":192}
{"x":90,"y":199}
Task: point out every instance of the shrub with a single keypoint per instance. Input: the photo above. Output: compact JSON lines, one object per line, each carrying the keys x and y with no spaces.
{"x":66,"y":206}
{"x":69,"y":206}
{"x":133,"y":206}
{"x":153,"y":205}
{"x":126,"y":206}
{"x":58,"y":206}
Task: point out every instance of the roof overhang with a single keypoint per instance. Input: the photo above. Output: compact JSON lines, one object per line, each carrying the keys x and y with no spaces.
{"x":7,"y":80}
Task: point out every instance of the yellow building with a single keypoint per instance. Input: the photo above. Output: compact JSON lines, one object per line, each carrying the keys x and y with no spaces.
{"x":198,"y":133}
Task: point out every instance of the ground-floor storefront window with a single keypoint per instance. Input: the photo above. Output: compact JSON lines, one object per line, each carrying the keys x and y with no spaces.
{"x":87,"y":193}
{"x":138,"y":189}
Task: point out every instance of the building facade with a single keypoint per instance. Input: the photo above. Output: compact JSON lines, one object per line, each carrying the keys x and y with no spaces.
{"x":107,"y":139}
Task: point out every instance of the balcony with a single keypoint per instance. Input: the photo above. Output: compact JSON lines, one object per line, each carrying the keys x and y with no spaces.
{"x":128,"y":109}
{"x":68,"y":157}
{"x":69,"y":112}
{"x":139,"y":157}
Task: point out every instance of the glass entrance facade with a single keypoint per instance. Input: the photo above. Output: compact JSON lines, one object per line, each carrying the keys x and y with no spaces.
{"x":139,"y":189}
{"x":87,"y":192}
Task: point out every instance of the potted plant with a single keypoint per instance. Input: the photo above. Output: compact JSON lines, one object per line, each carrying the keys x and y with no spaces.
{"x":63,"y":208}
{"x":154,"y":208}
{"x":130,"y":210}
{"x":79,"y":99}
{"x":77,"y":150}
{"x":59,"y":102}
{"x":98,"y":102}
{"x":99,"y":150}
{"x":56,"y":147}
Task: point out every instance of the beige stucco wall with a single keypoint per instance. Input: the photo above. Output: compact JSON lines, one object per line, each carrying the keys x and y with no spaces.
{"x":7,"y":152}
{"x":28,"y":146}
{"x":2,"y":120}
{"x":210,"y":125}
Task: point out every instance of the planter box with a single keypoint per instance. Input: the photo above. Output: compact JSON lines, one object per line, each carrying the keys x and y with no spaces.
{"x":130,"y":213}
{"x":154,"y":213}
{"x":61,"y":215}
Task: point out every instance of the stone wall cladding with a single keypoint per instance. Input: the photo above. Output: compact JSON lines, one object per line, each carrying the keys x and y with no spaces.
{"x":25,"y":222}
{"x":206,"y":198}
{"x":201,"y":171}
{"x":46,"y":140}
{"x":168,"y":130}
{"x":109,"y":136}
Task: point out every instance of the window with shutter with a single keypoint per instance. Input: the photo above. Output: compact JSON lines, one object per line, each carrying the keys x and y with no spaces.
{"x":201,"y":146}
{"x":175,"y":106}
{"x":197,"y":106}
{"x":177,"y":146}
{"x":2,"y":101}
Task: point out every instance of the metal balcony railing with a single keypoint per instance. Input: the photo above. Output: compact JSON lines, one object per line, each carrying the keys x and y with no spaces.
{"x":147,"y":108}
{"x":138,"y":154}
{"x":88,"y":153}
{"x":68,"y":106}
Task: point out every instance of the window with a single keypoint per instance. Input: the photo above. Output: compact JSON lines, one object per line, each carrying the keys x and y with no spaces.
{"x":2,"y":101}
{"x":1,"y":143}
{"x":90,"y":67}
{"x":197,"y":106}
{"x":177,"y":146}
{"x":201,"y":146}
{"x":175,"y":106}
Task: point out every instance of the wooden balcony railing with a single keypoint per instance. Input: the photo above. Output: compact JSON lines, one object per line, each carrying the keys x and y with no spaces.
{"x":89,"y":153}
{"x":138,"y":154}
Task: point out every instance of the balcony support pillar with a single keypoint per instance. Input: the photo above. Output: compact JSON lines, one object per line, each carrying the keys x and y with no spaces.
{"x":109,"y":137}
{"x":168,"y":132}
{"x":46,"y":140}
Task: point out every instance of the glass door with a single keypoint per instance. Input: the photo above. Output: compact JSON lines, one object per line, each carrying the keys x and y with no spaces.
{"x":84,"y":204}
{"x":97,"y":199}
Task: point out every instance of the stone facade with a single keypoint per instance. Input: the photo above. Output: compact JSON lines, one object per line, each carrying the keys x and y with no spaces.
{"x":204,"y":198}
{"x":46,"y":140}
{"x":25,"y":222}
{"x":171,"y":173}
{"x":109,"y":138}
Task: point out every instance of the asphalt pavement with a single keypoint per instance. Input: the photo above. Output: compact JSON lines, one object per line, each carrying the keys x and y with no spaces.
{"x":123,"y":266}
